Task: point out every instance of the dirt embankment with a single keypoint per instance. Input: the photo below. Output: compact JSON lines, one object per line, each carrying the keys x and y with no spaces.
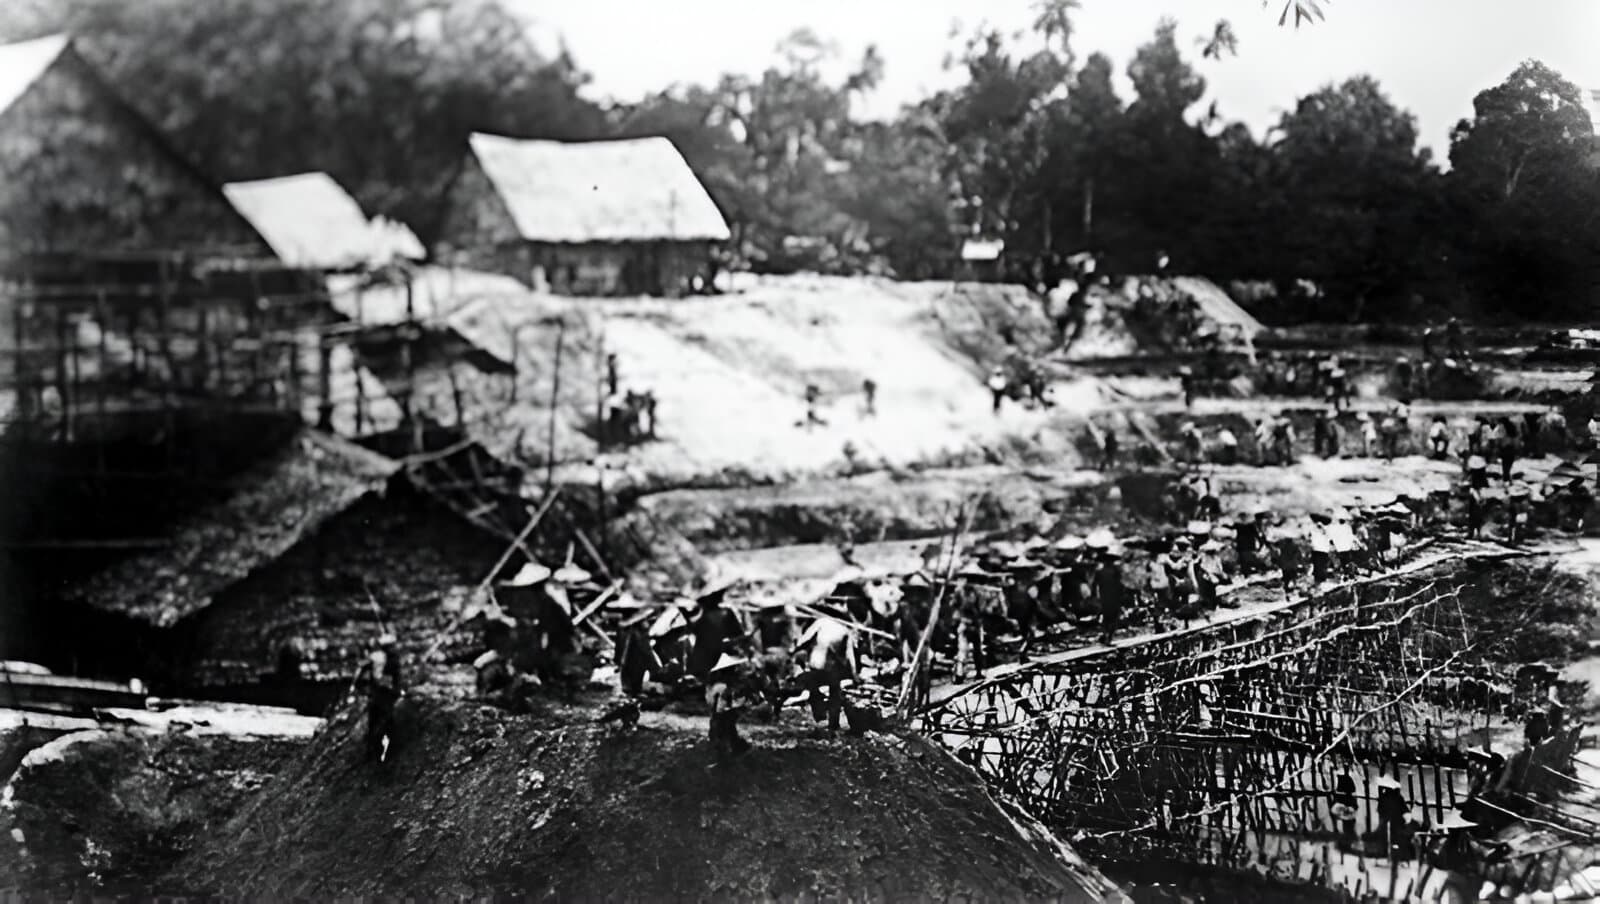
{"x":108,"y":811}
{"x":477,"y":803}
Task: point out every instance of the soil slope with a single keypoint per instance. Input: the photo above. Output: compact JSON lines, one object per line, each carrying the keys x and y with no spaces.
{"x":474,"y":802}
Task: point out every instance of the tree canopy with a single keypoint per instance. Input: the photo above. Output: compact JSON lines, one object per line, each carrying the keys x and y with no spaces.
{"x":1031,"y":144}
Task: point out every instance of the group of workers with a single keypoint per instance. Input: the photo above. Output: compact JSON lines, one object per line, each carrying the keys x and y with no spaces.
{"x":536,"y":636}
{"x":813,"y":399}
{"x":1499,"y":439}
{"x":627,"y":417}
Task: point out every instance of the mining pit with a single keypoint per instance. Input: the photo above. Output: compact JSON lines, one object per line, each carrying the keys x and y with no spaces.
{"x":1178,"y":758}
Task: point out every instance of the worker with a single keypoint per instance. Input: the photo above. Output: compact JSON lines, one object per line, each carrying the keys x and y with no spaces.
{"x":1186,"y":383}
{"x":1110,"y":591}
{"x":869,"y":389}
{"x":555,"y":636}
{"x":1392,"y":811}
{"x":997,"y":386}
{"x":636,"y":658}
{"x":1555,"y":430}
{"x":1394,"y":427}
{"x":1458,"y":853}
{"x":1321,"y":549}
{"x":1475,"y":511}
{"x":831,"y":660}
{"x":611,"y":373}
{"x":1321,"y":382}
{"x":1249,"y":540}
{"x":379,"y":679}
{"x":813,"y":395}
{"x":1338,"y":388}
{"x":1537,"y":728}
{"x":1323,"y":444}
{"x":1505,"y":446}
{"x":1160,"y":585}
{"x":724,"y":693}
{"x":1477,"y":472}
{"x":1454,"y":339}
{"x":1189,"y":435}
{"x":1283,"y":441}
{"x":1208,"y":572}
{"x":1557,"y":712}
{"x":1227,"y":447}
{"x":1532,"y":447}
{"x":1517,"y":515}
{"x":1369,"y":435}
{"x":1263,"y":437}
{"x":1347,"y":550}
{"x":1439,"y":437}
{"x":1290,"y":567}
{"x":1344,"y":805}
{"x":1427,"y":343}
{"x":713,"y":631}
{"x":1404,"y":374}
{"x":1108,"y":449}
{"x":649,"y":415}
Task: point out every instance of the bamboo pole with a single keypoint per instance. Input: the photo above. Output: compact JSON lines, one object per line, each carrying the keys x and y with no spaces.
{"x":913,"y":672}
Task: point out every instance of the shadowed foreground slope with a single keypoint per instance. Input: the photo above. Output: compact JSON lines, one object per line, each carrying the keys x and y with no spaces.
{"x":475,"y":802}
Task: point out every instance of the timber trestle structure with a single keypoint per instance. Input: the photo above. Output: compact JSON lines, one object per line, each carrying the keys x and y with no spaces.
{"x":1222,"y":745}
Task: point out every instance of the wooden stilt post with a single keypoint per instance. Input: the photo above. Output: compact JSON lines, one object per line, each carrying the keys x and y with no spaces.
{"x":164,"y":343}
{"x":295,"y":344}
{"x":63,"y":381}
{"x":21,"y":373}
{"x":555,"y":395}
{"x":202,"y":350}
{"x":102,"y":315}
{"x":324,"y":382}
{"x":253,"y":327}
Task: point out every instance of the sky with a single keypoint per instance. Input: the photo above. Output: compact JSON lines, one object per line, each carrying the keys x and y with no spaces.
{"x":1431,"y":56}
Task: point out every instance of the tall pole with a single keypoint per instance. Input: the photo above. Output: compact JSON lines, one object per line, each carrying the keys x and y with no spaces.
{"x":555,"y":391}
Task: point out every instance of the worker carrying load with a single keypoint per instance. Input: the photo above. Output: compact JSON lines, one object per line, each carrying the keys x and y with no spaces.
{"x":830,"y":661}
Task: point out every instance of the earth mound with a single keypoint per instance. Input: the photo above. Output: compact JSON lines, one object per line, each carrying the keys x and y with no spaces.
{"x":108,"y":811}
{"x":474,"y":802}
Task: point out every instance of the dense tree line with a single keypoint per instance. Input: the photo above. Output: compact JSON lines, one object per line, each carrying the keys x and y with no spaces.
{"x":1035,"y":147}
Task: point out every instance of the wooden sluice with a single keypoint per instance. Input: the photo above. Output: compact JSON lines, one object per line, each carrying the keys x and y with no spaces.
{"x":1223,"y":746}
